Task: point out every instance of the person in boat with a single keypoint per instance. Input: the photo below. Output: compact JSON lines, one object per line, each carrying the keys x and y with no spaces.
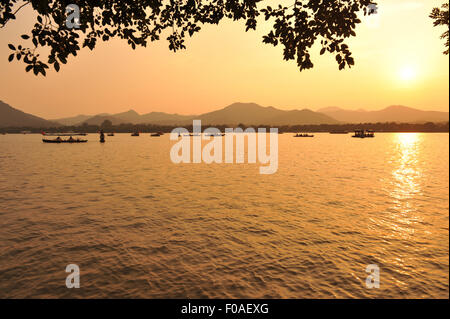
{"x":71,"y":139}
{"x":58,"y":138}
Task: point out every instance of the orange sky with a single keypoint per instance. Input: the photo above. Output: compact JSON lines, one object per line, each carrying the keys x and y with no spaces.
{"x":398,"y":57}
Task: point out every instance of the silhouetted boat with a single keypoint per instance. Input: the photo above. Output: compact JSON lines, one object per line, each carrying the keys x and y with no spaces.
{"x":303,"y":135}
{"x":102,"y":137}
{"x":215,"y":134}
{"x":110,"y":134}
{"x":59,"y":141}
{"x":155,"y":134}
{"x":364,"y":133}
{"x":135,"y":134}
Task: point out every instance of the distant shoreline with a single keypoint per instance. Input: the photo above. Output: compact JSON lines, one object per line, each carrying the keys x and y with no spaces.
{"x":317,"y":128}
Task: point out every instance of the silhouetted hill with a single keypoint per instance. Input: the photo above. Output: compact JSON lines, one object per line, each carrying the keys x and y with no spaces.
{"x":130,"y":116}
{"x":162,"y":118}
{"x":254,"y":114}
{"x":11,"y":117}
{"x":99,"y":119}
{"x":394,"y":113}
{"x":75,"y":120}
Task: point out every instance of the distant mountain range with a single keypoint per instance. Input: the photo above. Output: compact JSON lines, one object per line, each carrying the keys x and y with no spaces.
{"x":254,"y":114}
{"x":238,"y":113}
{"x":11,"y":117}
{"x":394,"y":113}
{"x":235,"y":114}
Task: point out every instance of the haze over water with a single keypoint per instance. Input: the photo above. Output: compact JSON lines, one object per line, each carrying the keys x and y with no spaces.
{"x":140,"y":226}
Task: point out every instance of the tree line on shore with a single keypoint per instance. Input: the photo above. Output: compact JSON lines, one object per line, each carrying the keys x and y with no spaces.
{"x":150,"y":128}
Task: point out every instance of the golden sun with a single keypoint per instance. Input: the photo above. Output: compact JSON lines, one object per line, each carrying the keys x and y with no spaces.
{"x":407,"y":73}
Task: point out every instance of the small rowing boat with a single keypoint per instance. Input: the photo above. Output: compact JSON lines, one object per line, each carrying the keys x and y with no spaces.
{"x":59,"y":141}
{"x":215,"y":134}
{"x":303,"y":135}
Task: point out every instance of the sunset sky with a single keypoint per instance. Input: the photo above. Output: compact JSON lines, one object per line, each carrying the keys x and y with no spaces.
{"x":398,"y":56}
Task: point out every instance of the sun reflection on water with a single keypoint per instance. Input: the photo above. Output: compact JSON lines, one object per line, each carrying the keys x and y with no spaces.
{"x":406,"y":174}
{"x":404,"y":186}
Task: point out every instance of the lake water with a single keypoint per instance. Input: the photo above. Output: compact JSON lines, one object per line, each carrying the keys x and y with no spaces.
{"x":139,"y":226}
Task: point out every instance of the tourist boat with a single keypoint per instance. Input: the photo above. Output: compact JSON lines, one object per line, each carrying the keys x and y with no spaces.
{"x":59,"y":140}
{"x":303,"y":135}
{"x":215,"y":134}
{"x":135,"y":134}
{"x":155,"y":134}
{"x":364,"y":133}
{"x":190,"y":134}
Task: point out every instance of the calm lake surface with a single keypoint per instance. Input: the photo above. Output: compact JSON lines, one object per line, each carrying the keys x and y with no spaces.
{"x":139,"y":226}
